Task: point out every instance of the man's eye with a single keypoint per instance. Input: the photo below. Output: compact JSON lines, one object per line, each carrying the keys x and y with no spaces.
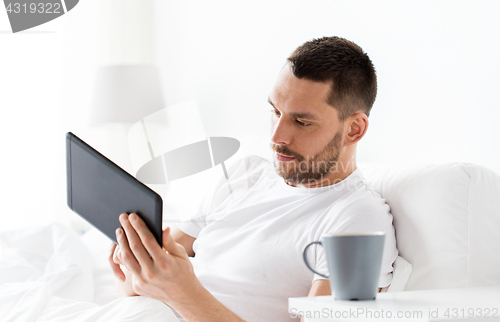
{"x":302,"y":123}
{"x":276,"y":112}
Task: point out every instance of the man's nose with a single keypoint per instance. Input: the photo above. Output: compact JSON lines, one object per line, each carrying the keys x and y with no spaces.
{"x":281,"y":133}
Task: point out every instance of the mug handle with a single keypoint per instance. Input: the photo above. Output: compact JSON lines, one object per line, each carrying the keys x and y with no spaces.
{"x":305,"y":258}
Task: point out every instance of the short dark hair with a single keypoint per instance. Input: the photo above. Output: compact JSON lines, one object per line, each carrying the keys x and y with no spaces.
{"x":345,"y":65}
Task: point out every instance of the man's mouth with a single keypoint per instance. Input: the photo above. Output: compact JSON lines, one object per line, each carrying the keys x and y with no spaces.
{"x":283,"y":158}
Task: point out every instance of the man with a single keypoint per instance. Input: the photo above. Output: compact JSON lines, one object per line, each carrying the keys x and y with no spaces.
{"x":247,"y":258}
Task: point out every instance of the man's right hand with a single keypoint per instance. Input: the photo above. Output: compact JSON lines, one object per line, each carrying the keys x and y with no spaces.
{"x":124,"y":277}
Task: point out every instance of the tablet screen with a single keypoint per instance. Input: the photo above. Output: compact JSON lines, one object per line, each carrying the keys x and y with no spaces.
{"x":99,"y":191}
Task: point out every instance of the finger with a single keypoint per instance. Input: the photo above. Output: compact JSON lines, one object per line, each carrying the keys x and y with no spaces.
{"x":112,"y":249}
{"x":147,"y":238}
{"x":116,"y":256}
{"x":171,"y":246}
{"x":115,"y":268}
{"x":127,"y":258}
{"x":134,"y":242}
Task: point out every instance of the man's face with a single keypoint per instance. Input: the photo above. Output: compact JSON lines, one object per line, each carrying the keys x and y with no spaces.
{"x":306,"y":134}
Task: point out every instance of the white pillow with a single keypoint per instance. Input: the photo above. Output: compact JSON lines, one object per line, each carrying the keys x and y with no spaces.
{"x":446,"y":219}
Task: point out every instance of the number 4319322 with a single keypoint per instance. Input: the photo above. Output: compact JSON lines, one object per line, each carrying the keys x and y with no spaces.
{"x":34,"y":8}
{"x":471,"y":313}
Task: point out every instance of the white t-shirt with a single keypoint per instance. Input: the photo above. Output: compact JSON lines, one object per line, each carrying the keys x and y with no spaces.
{"x":250,"y":236}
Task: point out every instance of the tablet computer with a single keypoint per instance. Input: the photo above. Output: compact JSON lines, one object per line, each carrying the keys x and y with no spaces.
{"x":99,"y":191}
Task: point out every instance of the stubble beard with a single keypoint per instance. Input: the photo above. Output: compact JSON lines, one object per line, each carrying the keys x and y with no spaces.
{"x":305,"y":170}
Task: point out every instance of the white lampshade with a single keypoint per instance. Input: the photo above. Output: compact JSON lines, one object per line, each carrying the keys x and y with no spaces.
{"x":125,"y":94}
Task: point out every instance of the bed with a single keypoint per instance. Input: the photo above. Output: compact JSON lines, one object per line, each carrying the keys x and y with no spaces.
{"x":51,"y":273}
{"x":446,"y":218}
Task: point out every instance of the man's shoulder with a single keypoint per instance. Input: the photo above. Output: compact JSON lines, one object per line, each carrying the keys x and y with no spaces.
{"x":360,"y":209}
{"x":242,"y":174}
{"x":360,"y":199}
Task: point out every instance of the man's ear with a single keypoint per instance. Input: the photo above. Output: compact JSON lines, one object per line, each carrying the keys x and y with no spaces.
{"x":357,"y":125}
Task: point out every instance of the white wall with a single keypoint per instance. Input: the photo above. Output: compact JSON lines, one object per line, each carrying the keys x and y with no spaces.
{"x":43,"y":92}
{"x":437,"y":64}
{"x":436,"y":61}
{"x":30,"y":97}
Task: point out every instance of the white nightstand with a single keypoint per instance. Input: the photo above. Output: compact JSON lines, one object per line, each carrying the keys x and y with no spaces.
{"x":464,"y":304}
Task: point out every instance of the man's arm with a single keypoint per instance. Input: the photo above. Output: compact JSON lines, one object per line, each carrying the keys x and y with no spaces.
{"x":166,"y":273}
{"x":320,"y":287}
{"x":123,"y":277}
{"x":184,"y":239}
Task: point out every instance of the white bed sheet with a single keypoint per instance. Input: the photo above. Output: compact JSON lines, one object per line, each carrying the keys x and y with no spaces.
{"x":51,"y":274}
